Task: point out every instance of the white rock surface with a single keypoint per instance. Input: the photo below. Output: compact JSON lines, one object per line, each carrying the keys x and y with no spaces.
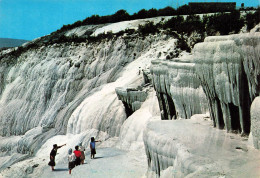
{"x":132,"y":98}
{"x":65,"y":93}
{"x":255,"y":122}
{"x":131,"y":135}
{"x":178,"y":89}
{"x":193,"y":148}
{"x":109,"y":162}
{"x":228,"y":67}
{"x":133,"y":24}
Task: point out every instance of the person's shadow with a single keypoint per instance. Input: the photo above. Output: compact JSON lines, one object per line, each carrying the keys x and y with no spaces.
{"x":61,"y":169}
{"x":98,"y":157}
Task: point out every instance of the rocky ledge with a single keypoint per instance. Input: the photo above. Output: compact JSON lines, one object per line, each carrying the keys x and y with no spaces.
{"x":132,"y":98}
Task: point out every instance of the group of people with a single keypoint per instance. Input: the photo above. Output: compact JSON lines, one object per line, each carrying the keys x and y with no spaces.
{"x":76,"y":157}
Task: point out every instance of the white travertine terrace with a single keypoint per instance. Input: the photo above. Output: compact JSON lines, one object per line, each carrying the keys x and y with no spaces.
{"x":255,"y":122}
{"x":66,"y":92}
{"x":193,"y":148}
{"x":178,"y":88}
{"x":229,"y":70}
{"x":132,"y":98}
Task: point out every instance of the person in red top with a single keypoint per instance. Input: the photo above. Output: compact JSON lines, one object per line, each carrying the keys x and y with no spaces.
{"x":77,"y":153}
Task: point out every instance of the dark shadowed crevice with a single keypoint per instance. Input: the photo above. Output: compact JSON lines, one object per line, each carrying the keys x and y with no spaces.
{"x":212,"y":114}
{"x":160,"y":104}
{"x":245,"y":104}
{"x":149,"y":158}
{"x":234,"y":113}
{"x":128,"y":110}
{"x":164,"y":110}
{"x":158,"y":164}
{"x":219,"y":115}
{"x":172,"y":108}
{"x":167,"y":107}
{"x":184,"y":110}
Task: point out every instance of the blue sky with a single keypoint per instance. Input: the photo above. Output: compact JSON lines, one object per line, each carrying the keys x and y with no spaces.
{"x":29,"y":19}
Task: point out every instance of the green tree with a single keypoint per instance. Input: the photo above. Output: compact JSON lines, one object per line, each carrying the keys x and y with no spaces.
{"x":120,"y":15}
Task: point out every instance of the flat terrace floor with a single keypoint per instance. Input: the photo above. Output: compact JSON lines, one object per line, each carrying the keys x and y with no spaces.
{"x":109,"y":162}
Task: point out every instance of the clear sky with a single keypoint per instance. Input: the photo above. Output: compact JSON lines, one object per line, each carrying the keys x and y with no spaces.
{"x":29,"y":19}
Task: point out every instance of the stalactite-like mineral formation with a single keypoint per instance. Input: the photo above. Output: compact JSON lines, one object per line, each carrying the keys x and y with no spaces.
{"x":131,"y":98}
{"x":178,"y":89}
{"x":229,"y":70}
{"x":59,"y":89}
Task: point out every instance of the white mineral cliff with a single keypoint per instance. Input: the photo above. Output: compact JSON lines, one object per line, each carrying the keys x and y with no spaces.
{"x":68,"y":92}
{"x":227,"y":69}
{"x":178,"y":88}
{"x":65,"y":93}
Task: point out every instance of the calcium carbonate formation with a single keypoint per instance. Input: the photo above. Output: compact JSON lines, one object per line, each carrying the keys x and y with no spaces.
{"x":72,"y":91}
{"x":228,"y":67}
{"x":227,"y":70}
{"x":69,"y":89}
{"x":178,"y":88}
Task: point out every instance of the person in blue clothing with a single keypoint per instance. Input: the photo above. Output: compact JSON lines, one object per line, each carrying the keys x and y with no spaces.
{"x":93,"y":147}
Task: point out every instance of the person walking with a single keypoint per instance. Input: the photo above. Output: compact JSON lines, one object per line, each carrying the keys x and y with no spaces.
{"x":53,"y":154}
{"x":93,"y":147}
{"x":71,"y":159}
{"x":77,"y":154}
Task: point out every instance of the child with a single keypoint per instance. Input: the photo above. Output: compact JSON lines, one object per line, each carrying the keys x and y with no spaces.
{"x":77,"y":154}
{"x":93,"y":147}
{"x":71,"y":159}
{"x":82,"y":157}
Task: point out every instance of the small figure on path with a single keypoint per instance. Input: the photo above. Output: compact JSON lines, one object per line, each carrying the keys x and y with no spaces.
{"x":82,"y":157}
{"x":139,"y":71}
{"x":53,"y":154}
{"x":71,"y":159}
{"x":77,"y":154}
{"x":93,"y":147}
